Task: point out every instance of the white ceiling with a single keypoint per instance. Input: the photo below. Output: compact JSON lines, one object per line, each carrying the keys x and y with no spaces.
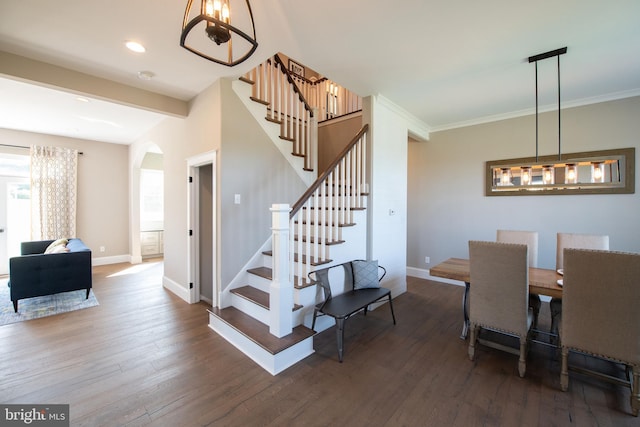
{"x":447,"y":63}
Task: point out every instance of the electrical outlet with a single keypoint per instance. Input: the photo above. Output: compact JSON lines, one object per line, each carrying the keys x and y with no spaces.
{"x":427,"y":260}
{"x":236,"y":199}
{"x":102,"y":248}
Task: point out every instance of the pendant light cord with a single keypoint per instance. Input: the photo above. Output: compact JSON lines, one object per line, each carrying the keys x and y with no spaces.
{"x":559,"y":121}
{"x":536,"y":111}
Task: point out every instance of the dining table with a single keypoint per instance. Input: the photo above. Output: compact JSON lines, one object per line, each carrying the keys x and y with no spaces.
{"x":542,"y":281}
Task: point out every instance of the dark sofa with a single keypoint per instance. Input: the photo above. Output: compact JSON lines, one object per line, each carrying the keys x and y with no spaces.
{"x":37,"y":274}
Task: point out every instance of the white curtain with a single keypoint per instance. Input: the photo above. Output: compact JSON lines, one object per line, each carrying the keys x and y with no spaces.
{"x":54,"y":182}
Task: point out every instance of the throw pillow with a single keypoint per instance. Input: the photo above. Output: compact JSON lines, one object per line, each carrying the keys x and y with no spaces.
{"x":54,"y":244}
{"x":365,"y":274}
{"x":59,"y":249}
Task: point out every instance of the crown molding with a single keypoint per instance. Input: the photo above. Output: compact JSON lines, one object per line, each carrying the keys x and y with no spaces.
{"x":417,"y":128}
{"x":542,"y":109}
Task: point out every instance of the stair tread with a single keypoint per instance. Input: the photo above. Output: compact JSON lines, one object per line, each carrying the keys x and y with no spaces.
{"x":320,"y":223}
{"x":257,"y":296}
{"x":267,"y":273}
{"x":314,"y":261}
{"x":272,"y":120}
{"x":259,"y":101}
{"x":246,"y":80}
{"x":258,"y":332}
{"x":313,"y":240}
{"x":333,"y":208}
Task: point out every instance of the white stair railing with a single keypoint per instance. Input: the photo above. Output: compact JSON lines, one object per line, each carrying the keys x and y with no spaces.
{"x":298,"y":104}
{"x":327,"y":204}
{"x":328,"y":97}
{"x":274,"y":86}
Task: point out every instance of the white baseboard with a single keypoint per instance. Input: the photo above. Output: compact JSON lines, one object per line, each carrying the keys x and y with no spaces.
{"x":176,"y":288}
{"x":105,"y":260}
{"x":424,"y":274}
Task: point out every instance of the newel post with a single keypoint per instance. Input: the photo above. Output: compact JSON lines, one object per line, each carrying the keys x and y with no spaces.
{"x":281,"y":291}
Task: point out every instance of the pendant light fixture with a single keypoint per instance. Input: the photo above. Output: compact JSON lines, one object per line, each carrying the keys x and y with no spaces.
{"x":553,"y":53}
{"x":596,"y":172}
{"x":212,"y":29}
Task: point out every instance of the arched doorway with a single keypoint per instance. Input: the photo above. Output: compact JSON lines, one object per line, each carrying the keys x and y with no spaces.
{"x":147,"y":166}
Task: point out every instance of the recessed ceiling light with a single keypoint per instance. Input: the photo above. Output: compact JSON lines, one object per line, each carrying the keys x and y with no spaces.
{"x":82,"y":99}
{"x":145,"y":75}
{"x":135,"y":47}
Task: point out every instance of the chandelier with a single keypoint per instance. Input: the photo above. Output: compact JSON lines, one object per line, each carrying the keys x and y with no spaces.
{"x":217,"y":34}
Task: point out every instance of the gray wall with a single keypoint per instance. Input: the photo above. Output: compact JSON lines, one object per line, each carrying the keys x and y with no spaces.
{"x":102,"y":206}
{"x":333,"y":136}
{"x":250,"y":165}
{"x":179,"y":139}
{"x":447,"y":206}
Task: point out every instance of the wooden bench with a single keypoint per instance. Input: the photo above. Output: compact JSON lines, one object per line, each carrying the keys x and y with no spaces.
{"x":360,"y":292}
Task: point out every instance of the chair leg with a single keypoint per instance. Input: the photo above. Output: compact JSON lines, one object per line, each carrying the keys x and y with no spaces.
{"x":88,"y":290}
{"x":564,"y":372}
{"x":556,"y":312}
{"x":472,"y":342}
{"x":313,"y":323}
{"x":635,"y":392}
{"x":465,"y":311}
{"x":522,"y":362}
{"x":340,"y":337}
{"x":15,"y":306}
{"x":535,"y":303}
{"x":393,"y":316}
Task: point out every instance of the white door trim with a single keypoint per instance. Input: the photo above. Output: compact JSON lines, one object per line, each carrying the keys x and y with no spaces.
{"x":193,"y":222}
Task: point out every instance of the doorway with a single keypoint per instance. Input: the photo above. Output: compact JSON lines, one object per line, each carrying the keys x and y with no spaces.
{"x":15,"y":207}
{"x":152,"y":204}
{"x":202,"y":226}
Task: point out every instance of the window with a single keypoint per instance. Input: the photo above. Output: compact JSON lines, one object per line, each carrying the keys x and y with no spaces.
{"x":151,"y":199}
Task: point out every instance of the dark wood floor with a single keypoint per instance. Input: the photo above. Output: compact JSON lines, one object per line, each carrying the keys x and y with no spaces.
{"x":144,"y":357}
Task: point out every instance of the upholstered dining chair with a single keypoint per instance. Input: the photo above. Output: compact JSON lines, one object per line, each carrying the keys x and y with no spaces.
{"x":574,"y":241}
{"x":499,"y":295}
{"x":600,"y":315}
{"x":529,"y":238}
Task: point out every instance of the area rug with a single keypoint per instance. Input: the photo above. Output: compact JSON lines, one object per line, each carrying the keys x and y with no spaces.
{"x":34,"y":308}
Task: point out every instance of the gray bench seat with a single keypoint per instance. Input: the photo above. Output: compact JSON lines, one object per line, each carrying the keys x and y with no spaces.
{"x":360,"y":292}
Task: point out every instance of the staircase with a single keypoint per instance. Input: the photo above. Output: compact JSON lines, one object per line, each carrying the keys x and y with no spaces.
{"x":264,"y":310}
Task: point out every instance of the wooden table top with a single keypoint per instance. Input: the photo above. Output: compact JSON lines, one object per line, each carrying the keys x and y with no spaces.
{"x":541,"y":280}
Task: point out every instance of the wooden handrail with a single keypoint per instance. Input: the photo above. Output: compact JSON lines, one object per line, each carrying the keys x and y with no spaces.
{"x":286,"y":72}
{"x":301,"y":201}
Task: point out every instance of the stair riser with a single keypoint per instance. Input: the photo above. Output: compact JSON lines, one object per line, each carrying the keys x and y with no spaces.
{"x":262,"y":315}
{"x":259,"y":313}
{"x":308,"y":298}
{"x":313,"y":252}
{"x":272,"y":363}
{"x":259,"y":282}
{"x":323,"y":226}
